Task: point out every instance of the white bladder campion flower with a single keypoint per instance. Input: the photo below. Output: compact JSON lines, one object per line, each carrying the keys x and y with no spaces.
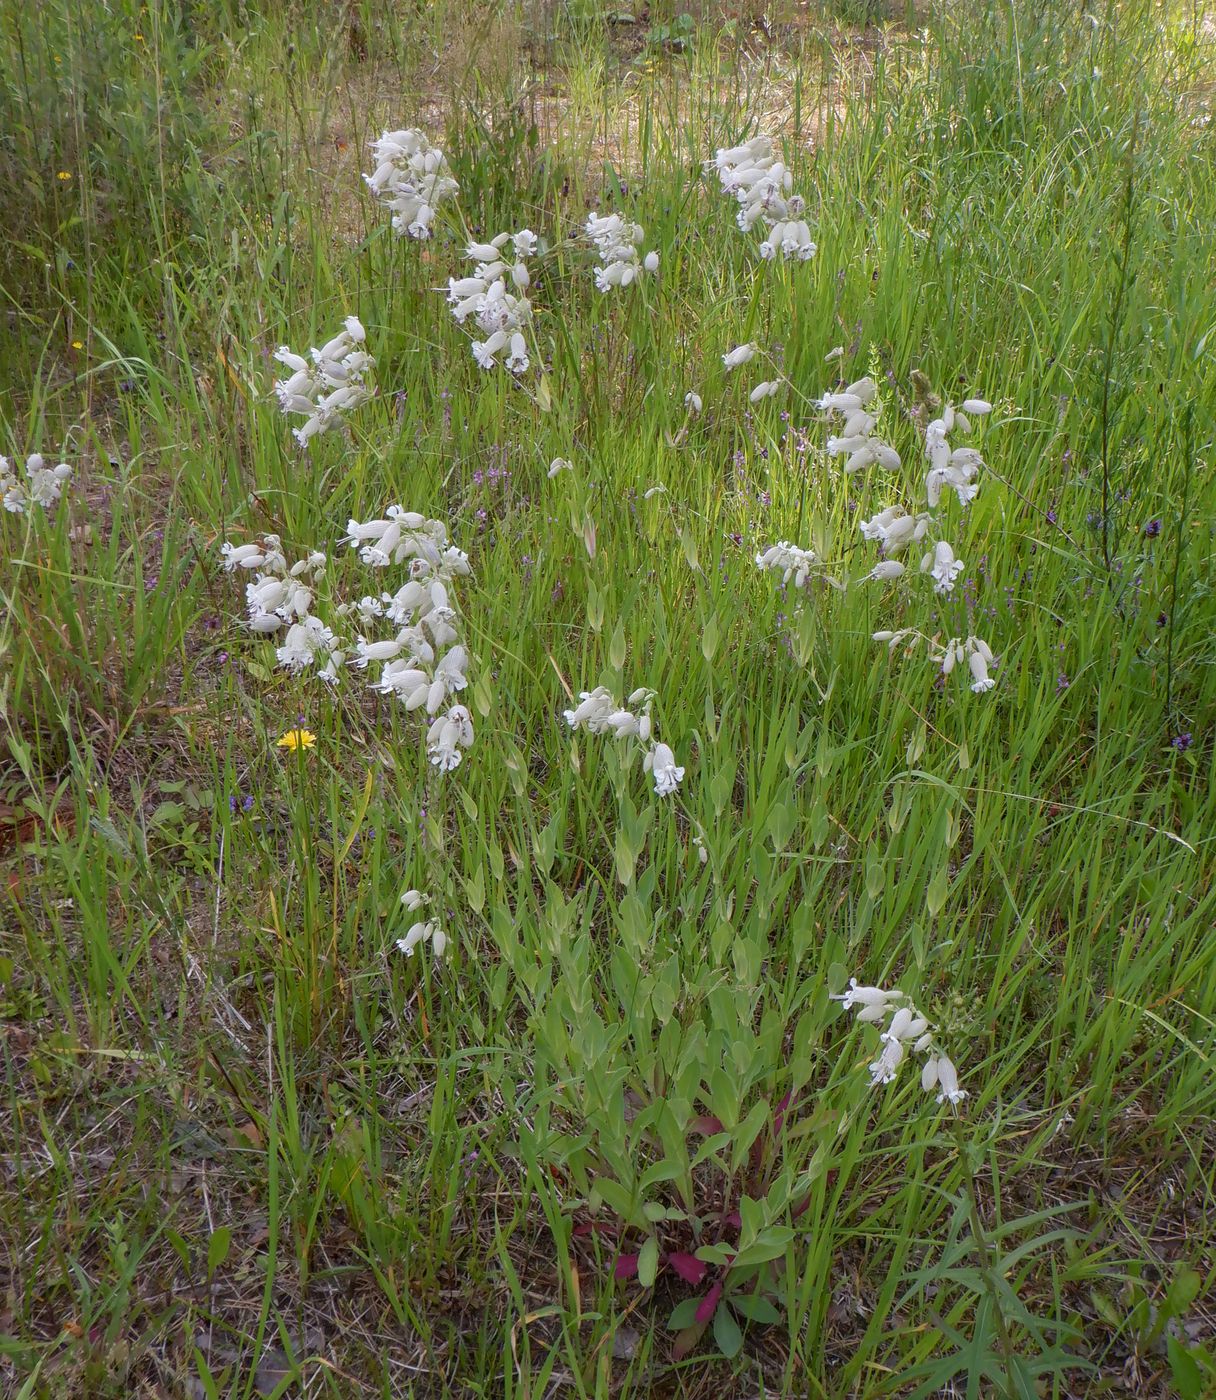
{"x":953,"y":468}
{"x":329,"y":384}
{"x":559,"y":465}
{"x":692,"y":401}
{"x":740,"y":355}
{"x":43,"y":485}
{"x":763,"y":187}
{"x":790,"y":561}
{"x":856,"y":442}
{"x":424,"y":931}
{"x":905,"y":1033}
{"x":943,"y":566}
{"x":412,"y":179}
{"x":423,"y":662}
{"x":448,"y":737}
{"x":886,"y":571}
{"x":618,"y":242}
{"x":894,"y":530}
{"x":599,"y":712}
{"x":500,"y":313}
{"x":660,"y":763}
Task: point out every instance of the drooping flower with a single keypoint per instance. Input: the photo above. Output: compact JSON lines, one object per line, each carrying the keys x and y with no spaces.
{"x":43,"y":485}
{"x":448,"y":737}
{"x":660,"y":763}
{"x":943,"y":566}
{"x":424,"y":931}
{"x":763,"y":187}
{"x":327,"y":386}
{"x":906,"y":1033}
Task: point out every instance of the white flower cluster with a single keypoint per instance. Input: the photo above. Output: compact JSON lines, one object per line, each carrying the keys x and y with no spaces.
{"x":282,"y":596}
{"x":599,"y":712}
{"x":618,"y":242}
{"x":895,"y":530}
{"x":330,"y":386}
{"x":425,"y":663}
{"x":906,"y":1031}
{"x":856,"y":441}
{"x":957,"y":467}
{"x":422,"y":930}
{"x":789,"y":561}
{"x":42,"y":487}
{"x":764,"y":189}
{"x":412,"y":179}
{"x":500,"y":313}
{"x":973,"y":650}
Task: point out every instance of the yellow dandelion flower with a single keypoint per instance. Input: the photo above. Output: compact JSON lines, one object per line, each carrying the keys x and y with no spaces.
{"x":64,"y":175}
{"x":297,"y":739}
{"x":77,"y":345}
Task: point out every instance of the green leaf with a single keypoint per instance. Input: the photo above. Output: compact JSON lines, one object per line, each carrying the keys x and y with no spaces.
{"x":217,"y":1249}
{"x":648,"y":1262}
{"x":683,"y":1314}
{"x":709,"y":637}
{"x":727,"y":1332}
{"x":616,"y":648}
{"x":771,"y":1245}
{"x":755,"y":1307}
{"x":1182,"y":1292}
{"x":938,"y":889}
{"x":690,"y":550}
{"x":1188,"y":1377}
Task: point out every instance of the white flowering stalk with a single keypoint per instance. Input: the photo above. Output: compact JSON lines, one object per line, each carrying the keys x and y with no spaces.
{"x":905,"y":1033}
{"x":599,"y":712}
{"x":412,"y":179}
{"x":425,"y":662}
{"x":895,"y":530}
{"x":281,"y":596}
{"x":973,"y":651}
{"x":764,"y":189}
{"x":42,"y":486}
{"x":328,"y":385}
{"x":422,"y":930}
{"x":856,"y":441}
{"x":790,"y":561}
{"x":618,"y":243}
{"x":500,"y":312}
{"x":953,"y":468}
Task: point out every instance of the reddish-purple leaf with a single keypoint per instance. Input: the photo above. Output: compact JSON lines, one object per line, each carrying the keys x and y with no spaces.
{"x":707,"y":1125}
{"x":732,"y":1220}
{"x":688,"y":1266}
{"x":800,"y":1208}
{"x":626,"y":1265}
{"x":709,"y":1304}
{"x":779,"y":1117}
